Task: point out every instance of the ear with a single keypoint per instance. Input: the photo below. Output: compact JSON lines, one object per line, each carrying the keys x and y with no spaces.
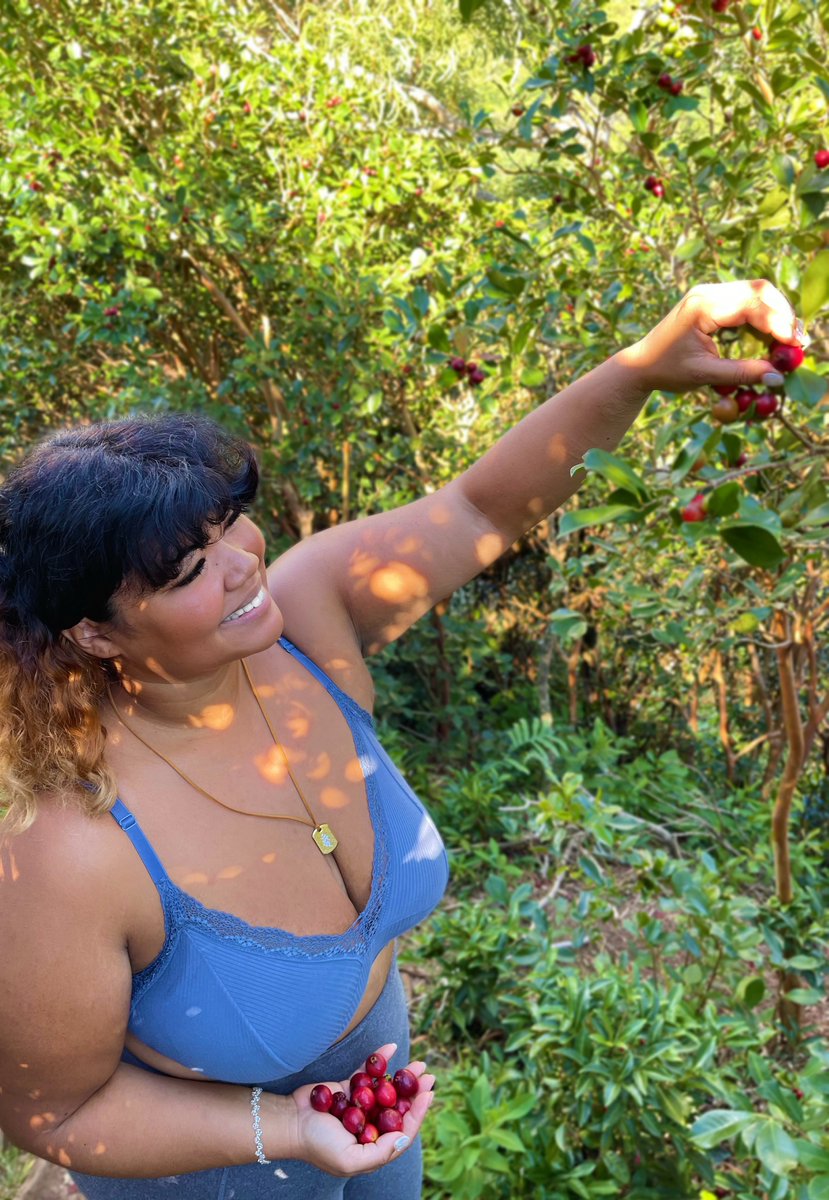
{"x":90,"y":637}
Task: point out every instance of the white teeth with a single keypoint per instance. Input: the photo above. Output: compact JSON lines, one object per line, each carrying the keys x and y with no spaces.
{"x":255,"y":602}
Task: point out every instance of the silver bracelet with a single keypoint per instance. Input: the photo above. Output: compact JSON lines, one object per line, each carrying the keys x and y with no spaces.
{"x":255,"y":1095}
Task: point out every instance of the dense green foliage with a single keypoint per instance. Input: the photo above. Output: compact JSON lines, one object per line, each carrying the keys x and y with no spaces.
{"x":292,"y":219}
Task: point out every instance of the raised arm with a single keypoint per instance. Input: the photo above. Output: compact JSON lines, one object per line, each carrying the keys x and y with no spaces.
{"x":387,"y":570}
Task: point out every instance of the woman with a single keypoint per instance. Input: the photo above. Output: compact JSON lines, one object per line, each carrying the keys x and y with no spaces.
{"x":148,"y":654}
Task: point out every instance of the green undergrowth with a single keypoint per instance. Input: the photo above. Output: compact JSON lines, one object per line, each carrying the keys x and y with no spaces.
{"x":598,"y":992}
{"x":15,"y":1165}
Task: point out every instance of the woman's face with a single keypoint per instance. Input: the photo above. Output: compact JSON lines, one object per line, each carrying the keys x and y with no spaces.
{"x":194,"y":625}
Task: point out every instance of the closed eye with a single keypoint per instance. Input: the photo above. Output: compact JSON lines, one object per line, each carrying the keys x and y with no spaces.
{"x":191,"y":575}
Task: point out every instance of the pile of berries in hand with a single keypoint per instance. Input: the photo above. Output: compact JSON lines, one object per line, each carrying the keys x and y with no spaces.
{"x":378,"y":1101}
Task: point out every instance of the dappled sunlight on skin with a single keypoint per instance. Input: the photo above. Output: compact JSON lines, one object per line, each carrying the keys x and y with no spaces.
{"x":333,"y":797}
{"x":40,"y":1119}
{"x":270,"y":857}
{"x":152,"y":664}
{"x":488,"y":547}
{"x":195,"y":877}
{"x":229,"y":873}
{"x":214,"y":716}
{"x":299,"y":723}
{"x":8,"y":867}
{"x":362,"y":564}
{"x":440,"y":516}
{"x":321,"y":768}
{"x":353,"y":771}
{"x":558,"y":453}
{"x":133,"y":687}
{"x":271,"y":765}
{"x":397,"y":581}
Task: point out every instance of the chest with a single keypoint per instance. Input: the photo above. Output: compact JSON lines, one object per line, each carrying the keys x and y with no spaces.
{"x":230,"y":812}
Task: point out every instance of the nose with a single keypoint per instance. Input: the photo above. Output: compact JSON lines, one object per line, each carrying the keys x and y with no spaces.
{"x":243,"y":553}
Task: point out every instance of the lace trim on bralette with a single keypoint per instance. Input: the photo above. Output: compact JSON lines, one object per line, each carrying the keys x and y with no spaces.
{"x":182,"y":909}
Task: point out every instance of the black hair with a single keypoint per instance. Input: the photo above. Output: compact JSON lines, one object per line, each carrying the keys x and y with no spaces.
{"x":114,"y":503}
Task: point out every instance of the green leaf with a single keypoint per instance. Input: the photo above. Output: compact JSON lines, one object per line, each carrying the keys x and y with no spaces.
{"x":604,"y":514}
{"x":532,"y":377}
{"x":511,"y":285}
{"x":775,"y":1149}
{"x":689,"y":249}
{"x":480,"y":1096}
{"x":718,"y":1126}
{"x":773,"y":201}
{"x":752,"y":989}
{"x":492,"y":1160}
{"x":758,"y":546}
{"x":438,"y":338}
{"x":816,"y":516}
{"x":724,"y":500}
{"x":806,"y":996}
{"x":819,"y":1188}
{"x":568,"y":625}
{"x":815,"y":290}
{"x":806,"y":387}
{"x":516,"y":1109}
{"x":805,"y":962}
{"x":784,"y":169}
{"x":638,"y":116}
{"x":521,"y":337}
{"x":812,"y":1157}
{"x":469,"y":8}
{"x":616,"y":470}
{"x":507,"y":1139}
{"x":678,"y":104}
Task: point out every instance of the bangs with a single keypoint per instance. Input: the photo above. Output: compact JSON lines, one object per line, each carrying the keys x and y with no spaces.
{"x":181,"y":512}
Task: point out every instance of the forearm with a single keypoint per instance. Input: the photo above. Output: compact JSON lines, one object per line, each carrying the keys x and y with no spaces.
{"x":526,"y":474}
{"x":144,"y":1125}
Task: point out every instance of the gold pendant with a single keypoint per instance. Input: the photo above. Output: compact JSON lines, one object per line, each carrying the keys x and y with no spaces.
{"x":323,"y":835}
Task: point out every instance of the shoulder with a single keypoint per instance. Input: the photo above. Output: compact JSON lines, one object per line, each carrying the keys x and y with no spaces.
{"x":66,"y":861}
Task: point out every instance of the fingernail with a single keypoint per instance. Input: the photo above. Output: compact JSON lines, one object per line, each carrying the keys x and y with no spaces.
{"x":402,"y":1142}
{"x":773,"y":379}
{"x":801,"y":334}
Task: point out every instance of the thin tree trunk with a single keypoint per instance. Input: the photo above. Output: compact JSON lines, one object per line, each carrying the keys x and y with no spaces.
{"x":793,"y":729}
{"x":718,"y":676}
{"x":545,"y":658}
{"x":573,"y":659}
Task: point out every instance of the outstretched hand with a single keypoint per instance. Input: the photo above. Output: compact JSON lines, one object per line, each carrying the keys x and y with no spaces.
{"x":322,"y":1139}
{"x":680,"y":354}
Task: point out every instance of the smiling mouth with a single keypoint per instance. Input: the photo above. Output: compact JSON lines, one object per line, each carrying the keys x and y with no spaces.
{"x":240,"y":612}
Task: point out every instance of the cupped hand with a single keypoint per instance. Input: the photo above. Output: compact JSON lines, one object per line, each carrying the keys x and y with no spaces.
{"x":323,"y":1140}
{"x":680,"y":354}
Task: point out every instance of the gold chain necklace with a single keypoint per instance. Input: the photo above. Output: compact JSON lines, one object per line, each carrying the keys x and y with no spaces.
{"x":323,"y":834}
